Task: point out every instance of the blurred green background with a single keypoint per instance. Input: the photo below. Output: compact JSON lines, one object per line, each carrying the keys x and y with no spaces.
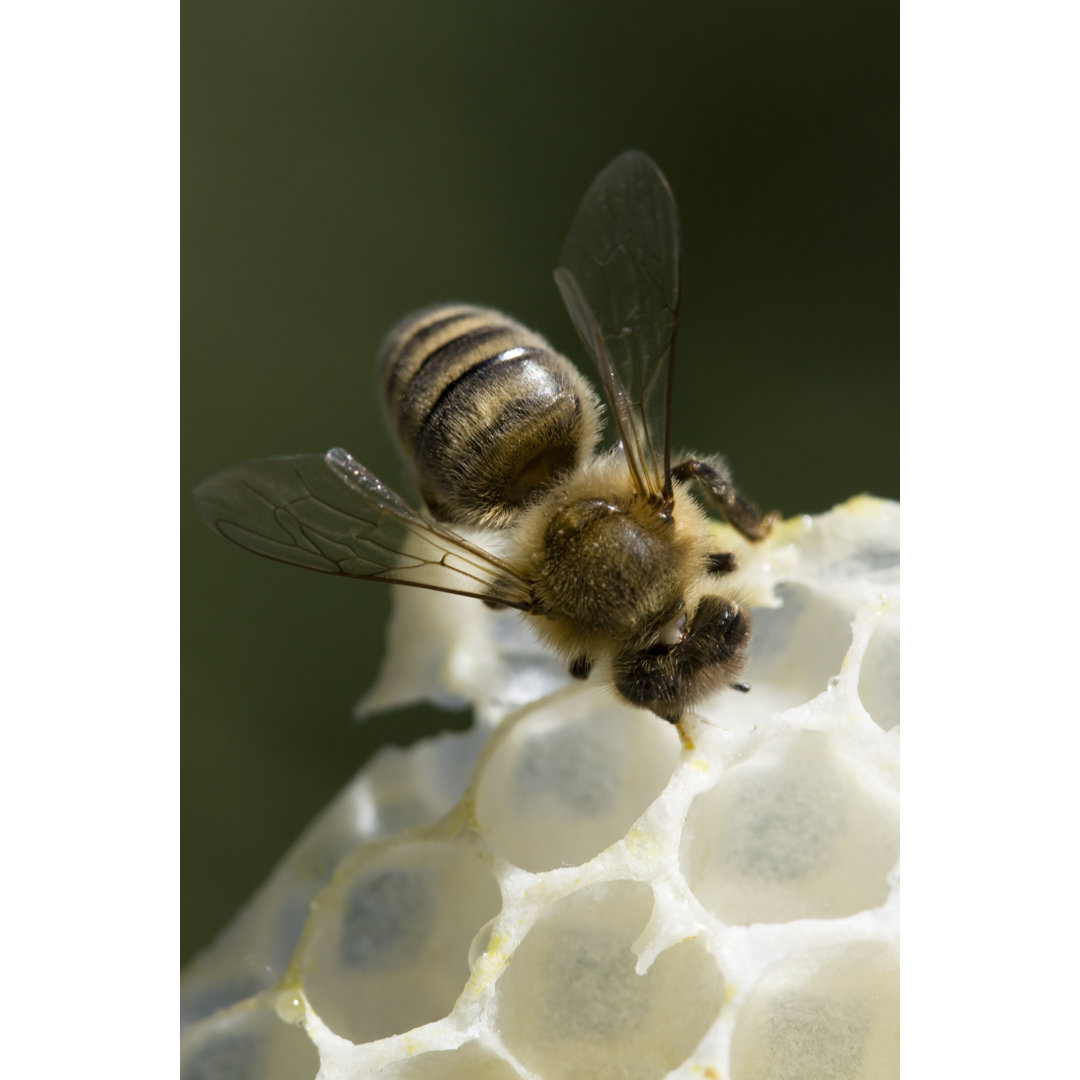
{"x":347,"y":162}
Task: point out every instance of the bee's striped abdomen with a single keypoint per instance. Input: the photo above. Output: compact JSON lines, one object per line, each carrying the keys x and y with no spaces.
{"x":487,"y":413}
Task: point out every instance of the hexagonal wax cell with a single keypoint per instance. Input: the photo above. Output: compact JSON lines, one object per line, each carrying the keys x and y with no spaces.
{"x":249,"y":1042}
{"x":571,"y":1007}
{"x":831,"y":1013}
{"x":796,"y":648}
{"x":570,"y":778}
{"x":390,"y":949}
{"x":797,"y":831}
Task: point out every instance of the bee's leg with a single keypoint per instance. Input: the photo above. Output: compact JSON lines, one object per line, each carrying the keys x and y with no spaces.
{"x":715,"y":481}
{"x":721,"y":563}
{"x":581,"y":667}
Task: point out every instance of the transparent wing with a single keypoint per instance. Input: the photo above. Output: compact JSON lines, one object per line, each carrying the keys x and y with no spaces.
{"x":329,"y":513}
{"x":619,"y":275}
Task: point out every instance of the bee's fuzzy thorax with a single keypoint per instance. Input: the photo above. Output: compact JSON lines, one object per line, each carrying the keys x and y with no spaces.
{"x":670,"y":573}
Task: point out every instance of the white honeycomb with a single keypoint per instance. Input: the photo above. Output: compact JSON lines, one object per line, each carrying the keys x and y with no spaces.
{"x":571,"y":890}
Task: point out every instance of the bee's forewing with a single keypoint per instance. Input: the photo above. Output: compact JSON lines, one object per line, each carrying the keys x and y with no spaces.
{"x":619,"y":275}
{"x":328,"y":513}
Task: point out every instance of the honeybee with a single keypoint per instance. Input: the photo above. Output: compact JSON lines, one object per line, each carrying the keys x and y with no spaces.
{"x":608,"y":554}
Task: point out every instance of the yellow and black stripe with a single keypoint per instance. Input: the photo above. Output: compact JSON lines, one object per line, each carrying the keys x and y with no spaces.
{"x":486,"y":412}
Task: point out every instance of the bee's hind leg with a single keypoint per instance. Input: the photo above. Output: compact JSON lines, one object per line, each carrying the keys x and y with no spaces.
{"x":715,"y":483}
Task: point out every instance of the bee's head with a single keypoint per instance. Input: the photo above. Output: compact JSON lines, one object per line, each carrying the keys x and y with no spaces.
{"x":683,"y":664}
